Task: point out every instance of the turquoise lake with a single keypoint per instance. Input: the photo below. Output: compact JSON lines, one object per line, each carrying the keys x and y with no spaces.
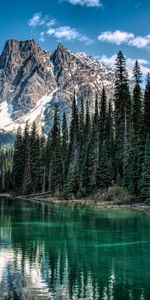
{"x":73,"y":252}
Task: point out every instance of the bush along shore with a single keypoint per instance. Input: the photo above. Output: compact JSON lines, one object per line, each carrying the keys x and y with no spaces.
{"x":107,"y":150}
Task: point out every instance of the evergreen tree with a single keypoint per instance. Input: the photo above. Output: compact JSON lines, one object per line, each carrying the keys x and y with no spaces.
{"x":64,"y":147}
{"x":104,"y":168}
{"x":137,"y":101}
{"x":40,"y":177}
{"x":74,"y":137}
{"x":18,"y":162}
{"x":110,"y":130}
{"x":71,"y":184}
{"x":81,"y":126}
{"x":137,"y":73}
{"x":35,"y":157}
{"x":145,"y":176}
{"x":131,"y":165}
{"x":122,"y":111}
{"x":48,"y":154}
{"x":110,"y":139}
{"x":27,"y":180}
{"x":85,"y":179}
{"x":87,"y":125}
{"x":96,"y":115}
{"x":103,"y":117}
{"x":56,"y":165}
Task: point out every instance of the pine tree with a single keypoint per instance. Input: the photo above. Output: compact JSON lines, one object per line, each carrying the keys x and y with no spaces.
{"x":71,"y":184}
{"x":35,"y":157}
{"x":74,"y":133}
{"x":18,"y":162}
{"x":48,"y":154}
{"x":103,"y":117}
{"x":87,"y":125}
{"x":110,"y":130}
{"x":137,"y":73}
{"x":85,"y":177}
{"x":56,"y":165}
{"x":27,"y":180}
{"x":104,"y":168}
{"x":41,"y":178}
{"x":96,"y":115}
{"x":86,"y":172}
{"x":137,"y":101}
{"x":122,"y":111}
{"x":110,"y":138}
{"x":64,"y":147}
{"x":81,"y":126}
{"x":25,"y":144}
{"x":131,"y":165}
{"x":145,"y":176}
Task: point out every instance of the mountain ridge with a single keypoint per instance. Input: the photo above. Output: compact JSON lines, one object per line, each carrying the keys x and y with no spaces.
{"x":34,"y":81}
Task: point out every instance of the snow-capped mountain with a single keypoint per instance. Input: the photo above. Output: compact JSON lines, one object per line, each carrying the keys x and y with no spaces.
{"x":33,"y":82}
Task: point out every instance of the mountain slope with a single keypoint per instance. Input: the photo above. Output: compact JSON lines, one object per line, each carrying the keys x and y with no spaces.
{"x":33,"y":82}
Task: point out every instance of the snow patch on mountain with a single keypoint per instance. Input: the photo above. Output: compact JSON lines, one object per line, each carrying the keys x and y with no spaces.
{"x":33,"y":115}
{"x":5,"y":114}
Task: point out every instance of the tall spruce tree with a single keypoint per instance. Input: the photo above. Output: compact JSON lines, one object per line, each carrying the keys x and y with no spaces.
{"x":145,"y":175}
{"x":48,"y":154}
{"x":104,"y":168}
{"x":18,"y":162}
{"x":137,"y":101}
{"x":122,"y":102}
{"x":56,"y":162}
{"x":35,"y":157}
{"x":64,"y":147}
{"x":27,"y":180}
{"x":137,"y":73}
{"x":74,"y":133}
{"x":103,"y":117}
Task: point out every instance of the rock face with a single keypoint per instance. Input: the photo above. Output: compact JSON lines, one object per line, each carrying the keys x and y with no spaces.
{"x":33,"y":82}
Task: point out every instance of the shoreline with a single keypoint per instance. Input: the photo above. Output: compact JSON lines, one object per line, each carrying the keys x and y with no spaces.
{"x":139,"y":206}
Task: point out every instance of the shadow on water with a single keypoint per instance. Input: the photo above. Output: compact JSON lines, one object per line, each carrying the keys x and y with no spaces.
{"x":73,"y":252}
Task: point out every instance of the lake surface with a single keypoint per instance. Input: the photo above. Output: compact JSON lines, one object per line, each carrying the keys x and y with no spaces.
{"x":73,"y":252}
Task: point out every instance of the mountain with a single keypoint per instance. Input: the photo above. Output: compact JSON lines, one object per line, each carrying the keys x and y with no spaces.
{"x":34,"y":81}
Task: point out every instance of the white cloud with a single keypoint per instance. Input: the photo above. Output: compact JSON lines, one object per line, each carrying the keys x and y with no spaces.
{"x":64,"y":32}
{"x":117,"y":37}
{"x":88,"y":3}
{"x":50,"y":28}
{"x":140,"y":41}
{"x":37,"y":20}
{"x":122,"y":37}
{"x":51,"y":22}
{"x":68,"y":33}
{"x":109,"y":61}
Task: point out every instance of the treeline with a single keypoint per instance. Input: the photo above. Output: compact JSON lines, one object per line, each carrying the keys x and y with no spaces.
{"x":110,"y":146}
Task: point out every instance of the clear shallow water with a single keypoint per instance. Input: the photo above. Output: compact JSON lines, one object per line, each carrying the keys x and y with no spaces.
{"x":58,"y":252}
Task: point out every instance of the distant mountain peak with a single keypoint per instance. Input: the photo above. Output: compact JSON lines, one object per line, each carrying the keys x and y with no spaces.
{"x":33,"y":81}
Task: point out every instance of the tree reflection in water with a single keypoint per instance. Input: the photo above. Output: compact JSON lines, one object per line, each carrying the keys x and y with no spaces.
{"x":73,"y":252}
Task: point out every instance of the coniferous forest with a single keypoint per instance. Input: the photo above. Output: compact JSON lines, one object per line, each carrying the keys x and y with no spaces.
{"x":94,"y":151}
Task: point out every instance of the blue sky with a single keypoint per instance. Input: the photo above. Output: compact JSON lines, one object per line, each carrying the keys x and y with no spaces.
{"x":98,"y":27}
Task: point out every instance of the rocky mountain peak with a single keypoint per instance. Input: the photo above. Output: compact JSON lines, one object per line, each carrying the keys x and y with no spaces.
{"x":34,"y":81}
{"x":19,"y":49}
{"x":61,"y":54}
